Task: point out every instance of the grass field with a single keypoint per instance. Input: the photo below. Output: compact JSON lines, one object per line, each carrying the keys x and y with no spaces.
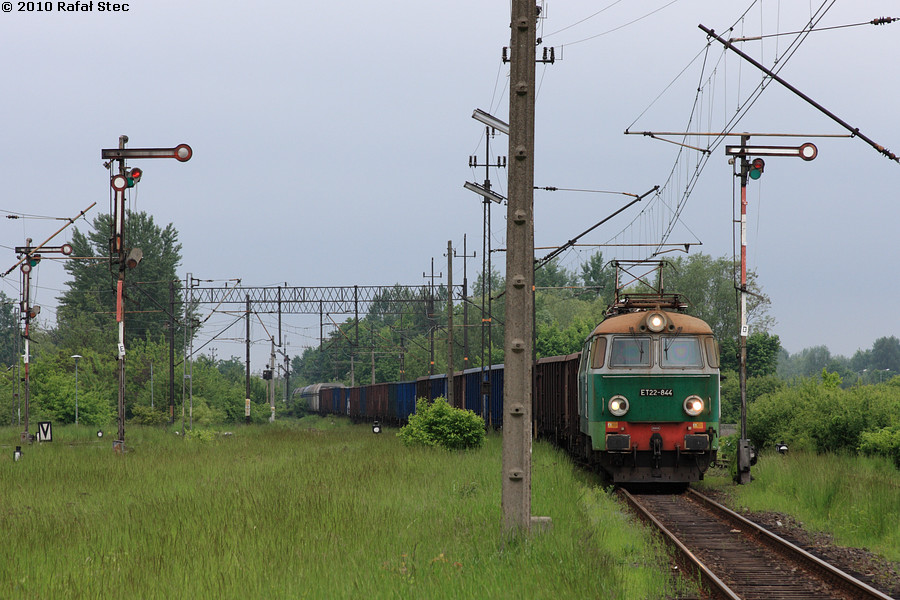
{"x":310,"y":509}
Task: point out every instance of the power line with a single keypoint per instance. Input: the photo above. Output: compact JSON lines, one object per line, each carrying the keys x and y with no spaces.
{"x":878,"y":21}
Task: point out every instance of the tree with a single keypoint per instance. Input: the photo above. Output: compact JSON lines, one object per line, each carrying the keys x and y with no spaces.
{"x":861,"y":361}
{"x":886,"y":354}
{"x":234,"y":369}
{"x":552,"y":275}
{"x":763,"y":351}
{"x":497,"y":281}
{"x":9,"y":329}
{"x":553,"y":341}
{"x":595,"y":274}
{"x":86,"y":314}
{"x":809,"y":362}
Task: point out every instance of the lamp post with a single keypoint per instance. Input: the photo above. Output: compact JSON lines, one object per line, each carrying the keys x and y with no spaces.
{"x":492,"y":124}
{"x":76,"y":357}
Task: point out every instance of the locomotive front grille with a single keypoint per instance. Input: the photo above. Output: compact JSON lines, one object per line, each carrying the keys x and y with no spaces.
{"x":618,"y":442}
{"x":696,"y":443}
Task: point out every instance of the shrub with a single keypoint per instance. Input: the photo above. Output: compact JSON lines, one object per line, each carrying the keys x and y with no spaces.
{"x":885,"y":442}
{"x":144,"y":415}
{"x":439,"y":424}
{"x":205,"y":436}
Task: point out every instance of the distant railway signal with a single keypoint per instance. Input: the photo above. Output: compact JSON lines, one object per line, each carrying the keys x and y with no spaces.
{"x":181,"y":153}
{"x":118,"y":182}
{"x":807,"y":151}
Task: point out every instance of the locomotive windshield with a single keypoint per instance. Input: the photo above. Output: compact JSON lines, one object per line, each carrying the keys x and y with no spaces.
{"x":630,"y":352}
{"x":680,"y":352}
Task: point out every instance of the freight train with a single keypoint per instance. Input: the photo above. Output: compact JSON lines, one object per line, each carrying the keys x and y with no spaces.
{"x":640,"y":401}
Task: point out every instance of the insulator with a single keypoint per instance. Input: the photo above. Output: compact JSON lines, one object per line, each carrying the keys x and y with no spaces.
{"x":882,"y":21}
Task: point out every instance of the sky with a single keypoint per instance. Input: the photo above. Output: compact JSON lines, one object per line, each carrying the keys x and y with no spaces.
{"x":331,"y":142}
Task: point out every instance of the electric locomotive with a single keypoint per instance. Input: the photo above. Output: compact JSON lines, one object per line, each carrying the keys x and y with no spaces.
{"x":648,"y":394}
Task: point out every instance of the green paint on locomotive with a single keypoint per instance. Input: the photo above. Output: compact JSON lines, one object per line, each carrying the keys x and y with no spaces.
{"x":656,"y":405}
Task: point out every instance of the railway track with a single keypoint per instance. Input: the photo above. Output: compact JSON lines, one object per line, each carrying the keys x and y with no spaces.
{"x":737,"y":559}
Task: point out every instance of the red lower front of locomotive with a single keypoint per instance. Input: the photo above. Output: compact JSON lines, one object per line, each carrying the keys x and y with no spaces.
{"x":657,"y":452}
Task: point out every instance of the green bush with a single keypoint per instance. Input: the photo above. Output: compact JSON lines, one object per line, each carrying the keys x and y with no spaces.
{"x":439,"y":424}
{"x":885,"y":442}
{"x":144,"y":415}
{"x":727,"y":455}
{"x":205,"y":436}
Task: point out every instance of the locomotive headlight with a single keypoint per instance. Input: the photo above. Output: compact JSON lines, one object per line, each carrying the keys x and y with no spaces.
{"x":656,"y":322}
{"x":618,"y":405}
{"x":693,"y":405}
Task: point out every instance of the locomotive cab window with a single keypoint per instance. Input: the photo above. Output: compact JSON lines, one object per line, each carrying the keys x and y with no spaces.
{"x":712,"y":352}
{"x":630,"y":351}
{"x":585,"y":358}
{"x":680,"y":352}
{"x":598,"y":352}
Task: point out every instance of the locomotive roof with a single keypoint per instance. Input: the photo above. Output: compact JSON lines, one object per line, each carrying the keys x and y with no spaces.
{"x":631,"y":322}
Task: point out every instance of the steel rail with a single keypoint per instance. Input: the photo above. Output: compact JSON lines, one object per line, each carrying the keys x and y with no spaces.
{"x":838,"y":578}
{"x":709,"y":578}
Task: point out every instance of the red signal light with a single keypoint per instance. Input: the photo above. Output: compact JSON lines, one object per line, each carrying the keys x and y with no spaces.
{"x":756,"y":168}
{"x":134,"y":175}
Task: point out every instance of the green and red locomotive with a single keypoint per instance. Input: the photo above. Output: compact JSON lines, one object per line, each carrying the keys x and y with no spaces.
{"x":648,"y":397}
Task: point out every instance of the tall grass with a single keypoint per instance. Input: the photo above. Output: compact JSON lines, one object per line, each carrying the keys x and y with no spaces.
{"x":856,"y":499}
{"x":316,"y":509}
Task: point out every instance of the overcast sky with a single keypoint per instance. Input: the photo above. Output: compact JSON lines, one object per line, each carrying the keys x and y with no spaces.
{"x":331,"y":141}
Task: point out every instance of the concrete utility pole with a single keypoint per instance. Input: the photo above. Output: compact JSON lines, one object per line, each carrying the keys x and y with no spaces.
{"x":429,"y":315}
{"x":450,"y":322}
{"x":190,"y":354}
{"x":518,"y":342}
{"x":247,"y":367}
{"x":272,"y":381}
{"x":76,"y":357}
{"x":465,"y":287}
{"x":287,"y":377}
{"x":172,"y":351}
